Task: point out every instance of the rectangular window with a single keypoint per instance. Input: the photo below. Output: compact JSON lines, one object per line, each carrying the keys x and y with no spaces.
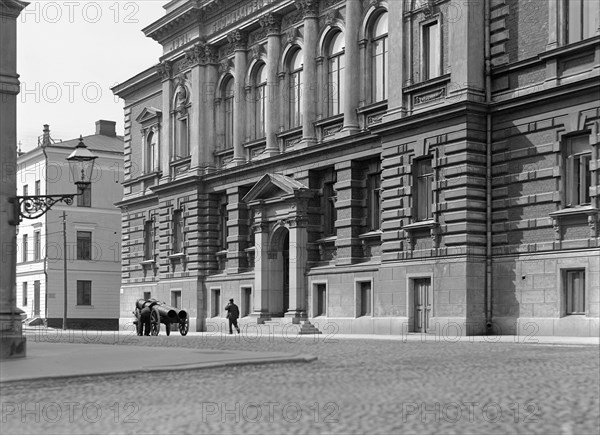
{"x":25,"y":190}
{"x":582,"y":18}
{"x":25,"y":247}
{"x":574,"y":287}
{"x":246,"y":301}
{"x":37,"y":248}
{"x":423,"y":196}
{"x":84,"y":292}
{"x":229,"y":122}
{"x":223,"y":232}
{"x":177,"y":231}
{"x":215,"y":302}
{"x":176,"y":299}
{"x":24,"y":294}
{"x":182,"y":140}
{"x":431,"y":51}
{"x":321,"y":308}
{"x":328,"y":207}
{"x":374,"y":201}
{"x":364,"y":289}
{"x":37,"y":187}
{"x":149,"y":240}
{"x":577,"y":171}
{"x":84,"y":245}
{"x":147,"y":295}
{"x":84,"y":197}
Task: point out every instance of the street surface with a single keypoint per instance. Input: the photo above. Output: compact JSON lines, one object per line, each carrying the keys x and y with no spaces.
{"x":357,"y":386}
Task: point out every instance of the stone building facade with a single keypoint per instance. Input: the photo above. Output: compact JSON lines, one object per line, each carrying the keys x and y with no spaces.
{"x":368,"y":166}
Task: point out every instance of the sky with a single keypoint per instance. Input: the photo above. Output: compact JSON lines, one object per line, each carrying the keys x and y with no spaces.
{"x":69,"y":55}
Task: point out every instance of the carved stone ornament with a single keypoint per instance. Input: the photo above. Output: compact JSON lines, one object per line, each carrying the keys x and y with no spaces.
{"x":194,"y":55}
{"x":238,"y":39}
{"x":331,"y":17}
{"x":165,"y":70}
{"x":256,"y":52}
{"x":181,"y":95}
{"x":593,"y":224}
{"x":556,"y":228}
{"x":224,"y":66}
{"x":309,"y":8}
{"x":272,"y":22}
{"x":291,"y":35}
{"x":210,"y":54}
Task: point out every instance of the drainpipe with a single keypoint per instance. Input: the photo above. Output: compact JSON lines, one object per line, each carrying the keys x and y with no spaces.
{"x":488,"y":169}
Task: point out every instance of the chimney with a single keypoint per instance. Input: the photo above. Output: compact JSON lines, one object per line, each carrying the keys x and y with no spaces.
{"x":106,"y":128}
{"x":46,"y":135}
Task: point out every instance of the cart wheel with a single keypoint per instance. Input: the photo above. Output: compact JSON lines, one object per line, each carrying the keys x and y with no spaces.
{"x":184,"y":326}
{"x":139,"y":327}
{"x":168,"y":329}
{"x":154,"y":321}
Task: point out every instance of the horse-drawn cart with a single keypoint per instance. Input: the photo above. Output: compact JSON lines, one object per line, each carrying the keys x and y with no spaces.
{"x":151,"y":313}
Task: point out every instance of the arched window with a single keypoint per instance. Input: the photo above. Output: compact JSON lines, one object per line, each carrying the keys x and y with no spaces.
{"x":228,"y":95}
{"x":295,"y":89}
{"x":151,"y":152}
{"x":260,"y":101}
{"x":335,"y":80}
{"x":379,"y":58}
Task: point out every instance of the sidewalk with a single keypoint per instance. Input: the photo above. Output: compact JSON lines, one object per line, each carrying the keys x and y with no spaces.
{"x":62,"y":360}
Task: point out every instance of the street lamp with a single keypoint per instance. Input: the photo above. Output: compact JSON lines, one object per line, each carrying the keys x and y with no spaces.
{"x":81,"y":165}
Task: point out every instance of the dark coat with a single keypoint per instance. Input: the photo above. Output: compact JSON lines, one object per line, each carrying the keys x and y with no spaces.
{"x":233,"y":312}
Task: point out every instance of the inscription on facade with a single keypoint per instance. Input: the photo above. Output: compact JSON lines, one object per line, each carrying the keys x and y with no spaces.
{"x":240,"y":13}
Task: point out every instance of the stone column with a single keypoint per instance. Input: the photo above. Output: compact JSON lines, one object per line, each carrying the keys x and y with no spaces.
{"x":194,"y":57}
{"x":273,"y":24}
{"x":165,"y":71}
{"x":351,"y":69}
{"x":239,"y":40}
{"x":12,"y":342}
{"x":396,"y":53}
{"x":209,"y":86}
{"x":261,"y":266}
{"x":298,"y":234}
{"x":309,"y":10}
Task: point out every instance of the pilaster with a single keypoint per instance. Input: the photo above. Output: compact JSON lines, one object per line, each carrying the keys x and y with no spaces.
{"x":239,"y":41}
{"x":273,"y":24}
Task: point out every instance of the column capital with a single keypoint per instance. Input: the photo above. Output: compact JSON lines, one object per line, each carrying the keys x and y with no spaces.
{"x":211,"y":54}
{"x":194,"y":55}
{"x":272,"y":22}
{"x":309,"y":8}
{"x":238,"y":39}
{"x":165,"y":70}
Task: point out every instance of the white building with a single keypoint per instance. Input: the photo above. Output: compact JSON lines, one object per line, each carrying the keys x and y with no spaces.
{"x":93,"y":234}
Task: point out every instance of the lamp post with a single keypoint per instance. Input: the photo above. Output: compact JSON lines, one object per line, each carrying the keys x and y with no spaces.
{"x":81,"y":166}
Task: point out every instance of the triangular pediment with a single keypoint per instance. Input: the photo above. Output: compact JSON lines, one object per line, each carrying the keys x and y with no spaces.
{"x":148,"y":114}
{"x":274,"y":186}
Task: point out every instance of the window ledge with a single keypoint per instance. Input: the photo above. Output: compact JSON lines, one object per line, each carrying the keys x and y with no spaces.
{"x":379,"y":105}
{"x":572,"y":211}
{"x":427,"y":83}
{"x":422,"y":225}
{"x":181,"y":160}
{"x":255,"y":143}
{"x":84,"y":307}
{"x":330,"y":239}
{"x":221,"y":253}
{"x":375,"y":234}
{"x":147,"y":263}
{"x":177,"y":256}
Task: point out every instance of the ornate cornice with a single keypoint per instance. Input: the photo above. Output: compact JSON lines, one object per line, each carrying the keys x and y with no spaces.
{"x":238,"y":39}
{"x":309,"y":8}
{"x":272,"y":22}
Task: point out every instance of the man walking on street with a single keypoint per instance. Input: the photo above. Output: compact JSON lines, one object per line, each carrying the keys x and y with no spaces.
{"x":233,"y":312}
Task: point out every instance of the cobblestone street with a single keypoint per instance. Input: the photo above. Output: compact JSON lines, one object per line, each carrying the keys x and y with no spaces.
{"x":356,"y":386}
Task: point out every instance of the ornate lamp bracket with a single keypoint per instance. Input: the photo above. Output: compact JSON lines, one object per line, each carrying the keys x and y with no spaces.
{"x":33,"y":207}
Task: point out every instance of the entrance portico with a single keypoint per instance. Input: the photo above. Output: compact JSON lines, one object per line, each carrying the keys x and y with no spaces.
{"x":279,"y":206}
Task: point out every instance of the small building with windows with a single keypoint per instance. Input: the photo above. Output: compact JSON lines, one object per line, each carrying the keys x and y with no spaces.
{"x":93,"y":234}
{"x":368,"y":166}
